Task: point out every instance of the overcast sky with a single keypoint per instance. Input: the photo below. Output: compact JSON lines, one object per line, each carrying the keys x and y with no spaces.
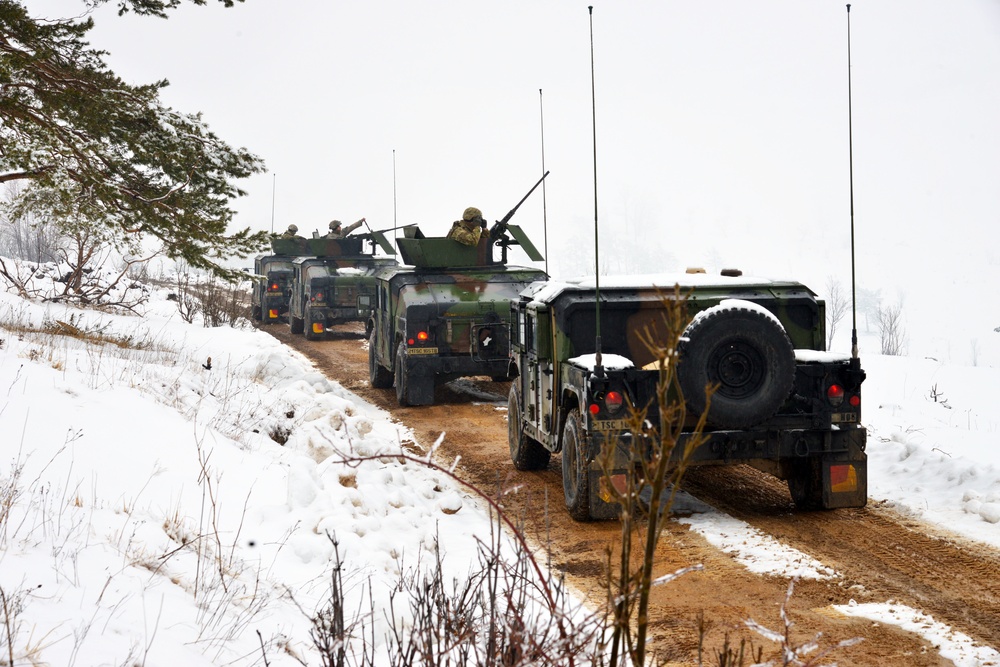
{"x":722,"y":125}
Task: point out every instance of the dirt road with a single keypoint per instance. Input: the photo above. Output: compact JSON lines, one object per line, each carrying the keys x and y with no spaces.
{"x":880,"y":555}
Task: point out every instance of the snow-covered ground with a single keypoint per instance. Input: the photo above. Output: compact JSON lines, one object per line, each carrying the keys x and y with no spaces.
{"x":169,"y":496}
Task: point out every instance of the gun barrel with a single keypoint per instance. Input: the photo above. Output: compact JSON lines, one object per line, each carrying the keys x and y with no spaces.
{"x":500,"y":226}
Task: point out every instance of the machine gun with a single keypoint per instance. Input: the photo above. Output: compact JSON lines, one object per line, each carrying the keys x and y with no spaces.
{"x":499,"y":228}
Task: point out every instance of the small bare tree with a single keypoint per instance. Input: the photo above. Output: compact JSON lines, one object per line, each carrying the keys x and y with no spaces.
{"x":891,"y":332}
{"x":836,"y":308}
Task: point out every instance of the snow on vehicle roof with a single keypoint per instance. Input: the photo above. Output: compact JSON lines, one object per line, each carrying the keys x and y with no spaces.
{"x":552,"y":288}
{"x":609,"y":361}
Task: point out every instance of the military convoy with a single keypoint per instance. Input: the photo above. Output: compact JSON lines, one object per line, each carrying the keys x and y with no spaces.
{"x":782,"y":404}
{"x":319,"y":282}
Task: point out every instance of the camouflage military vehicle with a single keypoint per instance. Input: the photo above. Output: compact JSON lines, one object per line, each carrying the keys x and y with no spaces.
{"x":270,"y":291}
{"x":783,"y":404}
{"x":335,"y":283}
{"x":445,"y":314}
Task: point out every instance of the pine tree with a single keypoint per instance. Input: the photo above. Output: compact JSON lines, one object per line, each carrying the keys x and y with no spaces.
{"x":111,"y":153}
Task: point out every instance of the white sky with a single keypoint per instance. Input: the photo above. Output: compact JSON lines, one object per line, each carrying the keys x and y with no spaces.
{"x":722,"y":127}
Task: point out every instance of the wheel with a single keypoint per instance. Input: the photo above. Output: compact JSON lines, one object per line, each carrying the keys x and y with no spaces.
{"x":576,"y":489}
{"x":255,"y":313}
{"x":295,"y":324}
{"x":402,"y":379}
{"x":747,"y":353}
{"x":805,"y":484}
{"x":526,"y":453}
{"x":380,"y":378}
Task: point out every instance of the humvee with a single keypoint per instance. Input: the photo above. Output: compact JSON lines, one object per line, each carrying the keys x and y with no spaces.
{"x":333,"y":284}
{"x":270,"y":291}
{"x":444,"y":314}
{"x":783,"y":404}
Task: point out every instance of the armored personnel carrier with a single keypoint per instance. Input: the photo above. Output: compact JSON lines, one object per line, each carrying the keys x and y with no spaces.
{"x":783,"y":404}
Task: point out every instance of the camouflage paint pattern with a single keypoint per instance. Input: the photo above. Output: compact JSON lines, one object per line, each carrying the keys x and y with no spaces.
{"x":326,"y":291}
{"x":555,"y":323}
{"x":446,"y":316}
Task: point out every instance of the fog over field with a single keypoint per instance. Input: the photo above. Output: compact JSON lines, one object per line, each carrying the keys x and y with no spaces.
{"x":722,"y":132}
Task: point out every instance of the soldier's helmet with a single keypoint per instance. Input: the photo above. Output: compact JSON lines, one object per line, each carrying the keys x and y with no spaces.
{"x":293,"y":228}
{"x":471,"y":214}
{"x":335,"y":224}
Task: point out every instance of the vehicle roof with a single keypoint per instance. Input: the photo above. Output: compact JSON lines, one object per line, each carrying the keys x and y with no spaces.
{"x":651,"y":285}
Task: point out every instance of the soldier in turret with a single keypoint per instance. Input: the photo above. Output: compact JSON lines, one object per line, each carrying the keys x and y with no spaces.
{"x":338,"y":232}
{"x":291,"y":233}
{"x":468,"y":230}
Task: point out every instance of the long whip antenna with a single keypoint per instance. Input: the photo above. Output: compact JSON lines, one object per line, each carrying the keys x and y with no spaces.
{"x":274,"y":185}
{"x":850,"y":154}
{"x":545,"y":213}
{"x":598,"y":368}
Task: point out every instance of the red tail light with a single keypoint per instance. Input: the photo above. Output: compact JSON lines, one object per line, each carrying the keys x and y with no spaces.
{"x":613,"y":401}
{"x":594,"y":408}
{"x":854,"y":400}
{"x":835,"y":395}
{"x":274,"y":287}
{"x":423,"y":336}
{"x":318,"y":296}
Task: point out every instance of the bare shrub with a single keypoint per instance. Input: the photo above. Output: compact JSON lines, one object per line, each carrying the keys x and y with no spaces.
{"x":219,"y":303}
{"x":27,"y":236}
{"x":794,"y":654}
{"x":836,"y":307}
{"x":658,"y":473}
{"x":892,"y":334}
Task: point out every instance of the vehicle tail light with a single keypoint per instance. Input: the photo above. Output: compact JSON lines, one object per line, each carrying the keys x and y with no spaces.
{"x":318,"y":296}
{"x":594,"y":408}
{"x":854,"y":400}
{"x":422,"y":336}
{"x":274,"y":287}
{"x":613,"y":401}
{"x":835,"y":395}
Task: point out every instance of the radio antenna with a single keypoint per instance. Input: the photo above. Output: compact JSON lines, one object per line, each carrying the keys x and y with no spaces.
{"x":274,"y":184}
{"x":545,"y":213}
{"x":598,"y":367}
{"x":855,"y":361}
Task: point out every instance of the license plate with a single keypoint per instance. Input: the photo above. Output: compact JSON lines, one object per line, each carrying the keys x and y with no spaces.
{"x":844,"y":417}
{"x":608,"y":424}
{"x":421,"y":350}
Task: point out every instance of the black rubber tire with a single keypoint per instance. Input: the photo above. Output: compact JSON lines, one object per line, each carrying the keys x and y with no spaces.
{"x":526,"y":453}
{"x":805,"y":484}
{"x":402,"y":380}
{"x":255,"y":313}
{"x":576,"y":487}
{"x":295,"y":324}
{"x":380,"y":377}
{"x":748,"y":354}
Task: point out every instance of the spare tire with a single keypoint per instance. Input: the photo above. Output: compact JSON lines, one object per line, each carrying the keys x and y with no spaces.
{"x":746,"y":352}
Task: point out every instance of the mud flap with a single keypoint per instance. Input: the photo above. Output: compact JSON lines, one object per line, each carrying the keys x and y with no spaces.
{"x":600,"y":507}
{"x":845,"y":483}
